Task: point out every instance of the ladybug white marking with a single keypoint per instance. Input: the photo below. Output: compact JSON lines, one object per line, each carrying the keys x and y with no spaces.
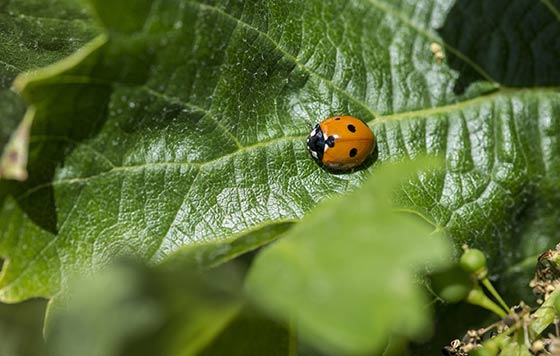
{"x":313,"y":132}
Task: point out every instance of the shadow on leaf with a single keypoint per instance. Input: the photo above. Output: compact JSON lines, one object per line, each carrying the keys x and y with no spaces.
{"x":72,"y":105}
{"x":52,"y":140}
{"x":515,"y":43}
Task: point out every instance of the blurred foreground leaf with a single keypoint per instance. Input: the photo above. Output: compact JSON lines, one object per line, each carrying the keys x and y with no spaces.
{"x":346,"y":273}
{"x":21,"y":328}
{"x":129,"y":309}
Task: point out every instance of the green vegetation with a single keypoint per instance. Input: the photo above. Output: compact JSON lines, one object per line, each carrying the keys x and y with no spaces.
{"x":157,"y":191}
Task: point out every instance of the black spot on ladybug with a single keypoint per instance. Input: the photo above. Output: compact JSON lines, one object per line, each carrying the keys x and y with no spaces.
{"x":330,"y":141}
{"x":353,"y":152}
{"x":337,"y":118}
{"x":351,"y":128}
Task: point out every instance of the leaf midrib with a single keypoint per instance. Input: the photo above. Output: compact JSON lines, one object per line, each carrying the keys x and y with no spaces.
{"x":384,"y":8}
{"x":460,"y":105}
{"x":264,"y":144}
{"x":287,"y":54}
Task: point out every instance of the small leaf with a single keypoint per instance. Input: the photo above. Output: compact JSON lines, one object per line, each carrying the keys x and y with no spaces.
{"x":346,"y":273}
{"x":204,"y":256}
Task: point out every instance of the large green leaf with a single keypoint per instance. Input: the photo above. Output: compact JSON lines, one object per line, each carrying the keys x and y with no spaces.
{"x":186,"y":123}
{"x":33,"y":33}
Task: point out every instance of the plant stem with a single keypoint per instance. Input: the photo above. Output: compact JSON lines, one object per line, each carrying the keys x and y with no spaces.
{"x":477,"y":297}
{"x":486,"y":282}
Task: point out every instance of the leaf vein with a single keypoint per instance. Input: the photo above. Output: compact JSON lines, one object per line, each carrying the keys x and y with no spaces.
{"x":8,"y":65}
{"x":79,"y":180}
{"x":39,"y":138}
{"x":172,"y":224}
{"x":287,"y":54}
{"x":209,"y":114}
{"x":394,"y":12}
{"x":45,"y":18}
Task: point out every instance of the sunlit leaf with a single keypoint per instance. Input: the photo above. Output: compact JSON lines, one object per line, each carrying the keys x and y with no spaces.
{"x":185,"y":124}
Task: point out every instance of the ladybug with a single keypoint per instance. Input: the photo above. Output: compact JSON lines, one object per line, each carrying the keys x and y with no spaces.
{"x":340,"y":142}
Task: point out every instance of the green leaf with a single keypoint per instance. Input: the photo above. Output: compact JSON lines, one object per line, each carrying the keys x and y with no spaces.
{"x":204,"y":256}
{"x":252,"y":334}
{"x":32,"y":35}
{"x":345,"y":275}
{"x":185,"y":124}
{"x":129,"y":309}
{"x":21,"y":328}
{"x":101,"y":314}
{"x":514,"y":348}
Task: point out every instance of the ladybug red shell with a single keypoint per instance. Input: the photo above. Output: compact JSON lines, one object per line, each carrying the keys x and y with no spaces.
{"x":341,"y":142}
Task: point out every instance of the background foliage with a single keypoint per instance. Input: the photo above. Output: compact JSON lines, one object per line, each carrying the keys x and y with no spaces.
{"x":177,"y":135}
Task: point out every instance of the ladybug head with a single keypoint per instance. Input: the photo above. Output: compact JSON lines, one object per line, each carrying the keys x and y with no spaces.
{"x":316,"y":144}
